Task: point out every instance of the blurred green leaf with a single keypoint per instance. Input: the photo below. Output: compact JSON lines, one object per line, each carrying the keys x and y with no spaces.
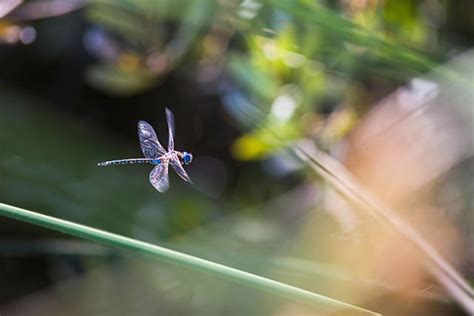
{"x":118,"y":81}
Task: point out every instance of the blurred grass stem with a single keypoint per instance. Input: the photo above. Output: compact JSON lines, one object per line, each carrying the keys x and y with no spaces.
{"x":341,"y":179}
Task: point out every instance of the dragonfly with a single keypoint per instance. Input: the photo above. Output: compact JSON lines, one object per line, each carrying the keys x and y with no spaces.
{"x":155,"y":154}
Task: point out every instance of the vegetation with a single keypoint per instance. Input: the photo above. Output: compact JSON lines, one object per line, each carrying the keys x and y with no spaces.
{"x":333,"y":157}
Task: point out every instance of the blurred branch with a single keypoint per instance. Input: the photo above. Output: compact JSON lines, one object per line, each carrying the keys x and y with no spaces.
{"x":342,"y":180}
{"x":7,"y":6}
{"x":44,"y":9}
{"x":174,"y":257}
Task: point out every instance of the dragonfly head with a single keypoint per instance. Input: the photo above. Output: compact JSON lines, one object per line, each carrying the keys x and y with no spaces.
{"x":187,"y":158}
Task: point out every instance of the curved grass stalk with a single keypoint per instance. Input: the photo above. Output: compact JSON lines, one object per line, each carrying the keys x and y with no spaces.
{"x":174,"y":257}
{"x":342,"y":180}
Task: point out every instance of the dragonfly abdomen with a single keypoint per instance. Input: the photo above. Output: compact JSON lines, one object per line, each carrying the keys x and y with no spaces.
{"x":153,"y":161}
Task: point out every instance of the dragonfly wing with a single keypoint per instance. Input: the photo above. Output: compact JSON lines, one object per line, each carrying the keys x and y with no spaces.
{"x":176,"y":164}
{"x":170,"y":119}
{"x":149,"y":143}
{"x":159,"y":177}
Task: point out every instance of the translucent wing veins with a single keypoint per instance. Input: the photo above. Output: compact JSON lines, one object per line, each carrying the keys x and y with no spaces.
{"x":159,"y":177}
{"x":170,"y":120}
{"x":149,"y":143}
{"x":176,"y":164}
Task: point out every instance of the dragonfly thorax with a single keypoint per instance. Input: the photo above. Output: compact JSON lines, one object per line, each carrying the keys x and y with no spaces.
{"x":166,"y":158}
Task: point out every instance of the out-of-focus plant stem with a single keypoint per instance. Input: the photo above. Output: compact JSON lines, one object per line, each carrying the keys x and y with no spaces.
{"x":341,"y":179}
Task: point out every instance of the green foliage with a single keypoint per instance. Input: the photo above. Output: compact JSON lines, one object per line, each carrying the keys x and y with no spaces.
{"x":284,"y":71}
{"x":304,"y":45}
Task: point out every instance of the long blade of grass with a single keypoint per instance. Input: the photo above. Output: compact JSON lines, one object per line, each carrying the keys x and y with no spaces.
{"x":179,"y":258}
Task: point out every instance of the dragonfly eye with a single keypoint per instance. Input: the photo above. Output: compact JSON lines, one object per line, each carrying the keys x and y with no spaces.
{"x":187,"y":158}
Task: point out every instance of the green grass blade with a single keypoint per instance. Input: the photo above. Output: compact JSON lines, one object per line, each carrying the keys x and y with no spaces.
{"x":175,"y":257}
